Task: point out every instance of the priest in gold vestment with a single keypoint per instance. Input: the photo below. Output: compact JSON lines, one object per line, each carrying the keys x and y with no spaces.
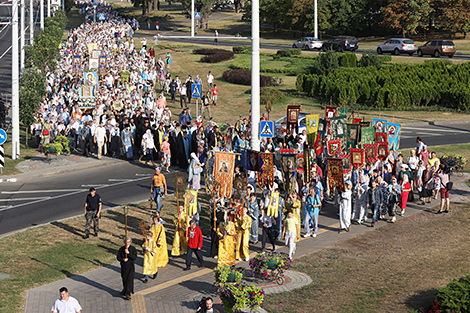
{"x":160,"y":240}
{"x":150,"y":250}
{"x":226,"y":232}
{"x":243,"y":236}
{"x":180,"y":242}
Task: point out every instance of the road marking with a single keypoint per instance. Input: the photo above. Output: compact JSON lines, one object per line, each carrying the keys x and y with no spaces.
{"x":68,"y":194}
{"x":96,"y":185}
{"x":428,"y":130}
{"x":25,"y":199}
{"x":40,"y":191}
{"x":119,"y":179}
{"x":137,"y":174}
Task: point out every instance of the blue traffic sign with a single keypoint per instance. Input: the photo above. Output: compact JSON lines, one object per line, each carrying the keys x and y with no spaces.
{"x":197,"y":14}
{"x":267,"y":129}
{"x":101,"y":17}
{"x":3,"y":136}
{"x":196,"y":90}
{"x":94,"y":3}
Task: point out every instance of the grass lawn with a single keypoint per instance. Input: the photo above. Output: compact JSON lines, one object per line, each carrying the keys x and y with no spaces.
{"x":462,"y":149}
{"x":396,"y":268}
{"x":55,"y":251}
{"x":25,"y":153}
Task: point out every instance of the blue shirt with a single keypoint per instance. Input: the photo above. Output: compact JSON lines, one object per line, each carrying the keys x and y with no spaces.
{"x":310,"y":203}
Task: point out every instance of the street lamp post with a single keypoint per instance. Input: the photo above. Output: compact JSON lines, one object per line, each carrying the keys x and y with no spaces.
{"x":15,"y":94}
{"x":255,"y":85}
{"x":316,"y":18}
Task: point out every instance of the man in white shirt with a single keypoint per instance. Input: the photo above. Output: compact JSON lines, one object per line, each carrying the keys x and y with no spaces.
{"x":210,"y":80}
{"x":66,"y":304}
{"x":100,"y":138}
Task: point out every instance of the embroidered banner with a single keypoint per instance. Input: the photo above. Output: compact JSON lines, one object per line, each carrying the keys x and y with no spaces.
{"x":351,"y":137}
{"x":266,"y":174}
{"x":252,"y":160}
{"x":381,"y":137}
{"x":318,"y":146}
{"x":335,"y":174}
{"x":393,"y":135}
{"x":382,"y":150}
{"x":77,"y":63}
{"x":334,"y":147}
{"x":289,"y":170}
{"x":368,"y":135}
{"x":357,"y":120}
{"x":223,"y":172}
{"x":322,"y":127}
{"x":312,"y":123}
{"x":190,"y":202}
{"x":330,"y":112}
{"x":357,"y":157}
{"x":292,"y":120}
{"x":338,"y":126}
{"x":307,"y":159}
{"x":346,"y":159}
{"x":379,"y":124}
{"x":273,"y":206}
{"x":372,"y":151}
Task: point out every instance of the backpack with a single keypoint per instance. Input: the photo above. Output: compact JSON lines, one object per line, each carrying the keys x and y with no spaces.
{"x":449,"y":185}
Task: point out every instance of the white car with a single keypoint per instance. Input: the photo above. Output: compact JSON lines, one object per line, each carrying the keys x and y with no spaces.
{"x":308,"y":43}
{"x":397,"y":46}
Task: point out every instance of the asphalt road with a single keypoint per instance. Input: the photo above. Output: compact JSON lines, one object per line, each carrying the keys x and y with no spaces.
{"x":47,"y":199}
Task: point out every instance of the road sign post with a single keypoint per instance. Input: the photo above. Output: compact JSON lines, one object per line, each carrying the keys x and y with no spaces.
{"x":2,"y":159}
{"x":266,"y":129}
{"x":196,"y":94}
{"x":3,"y":136}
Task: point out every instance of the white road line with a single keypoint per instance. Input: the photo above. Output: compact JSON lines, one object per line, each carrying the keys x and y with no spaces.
{"x":25,"y":199}
{"x":4,"y":206}
{"x":137,"y":174}
{"x":119,"y":179}
{"x":96,"y":185}
{"x":67,"y":194}
{"x":40,"y":191}
{"x":433,"y":130}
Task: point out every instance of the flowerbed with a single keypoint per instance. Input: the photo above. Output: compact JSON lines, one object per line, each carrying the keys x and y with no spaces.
{"x":262,"y":264}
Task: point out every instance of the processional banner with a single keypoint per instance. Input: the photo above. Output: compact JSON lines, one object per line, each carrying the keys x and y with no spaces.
{"x":289,"y":170}
{"x":371,"y":151}
{"x":393,"y":135}
{"x":335,"y":174}
{"x":223,"y":172}
{"x":266,"y":175}
{"x":379,"y":124}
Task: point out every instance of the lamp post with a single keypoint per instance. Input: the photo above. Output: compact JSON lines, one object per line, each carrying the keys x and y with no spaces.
{"x":255,"y":85}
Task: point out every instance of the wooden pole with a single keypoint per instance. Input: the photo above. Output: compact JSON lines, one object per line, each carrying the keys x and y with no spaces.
{"x":177,"y":201}
{"x":126,"y":210}
{"x":212,"y":194}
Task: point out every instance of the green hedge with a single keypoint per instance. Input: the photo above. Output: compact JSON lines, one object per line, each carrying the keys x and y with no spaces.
{"x":397,"y":86}
{"x":455,"y":297}
{"x":241,"y":49}
{"x":289,"y":52}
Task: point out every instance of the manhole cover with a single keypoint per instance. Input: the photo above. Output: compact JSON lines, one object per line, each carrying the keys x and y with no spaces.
{"x":4,"y":276}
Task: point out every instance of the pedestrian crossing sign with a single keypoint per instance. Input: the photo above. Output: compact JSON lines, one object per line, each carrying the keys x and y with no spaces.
{"x":101,"y":17}
{"x":197,"y":14}
{"x":267,"y":129}
{"x":196,"y":90}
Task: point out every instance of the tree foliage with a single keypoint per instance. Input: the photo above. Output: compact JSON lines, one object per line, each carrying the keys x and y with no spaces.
{"x":32,"y":91}
{"x":453,"y":15}
{"x":203,"y":6}
{"x":407,"y":15}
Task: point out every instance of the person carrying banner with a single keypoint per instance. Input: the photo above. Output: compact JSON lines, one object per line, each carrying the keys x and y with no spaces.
{"x":226,"y":232}
{"x":181,"y":222}
{"x":243,"y":235}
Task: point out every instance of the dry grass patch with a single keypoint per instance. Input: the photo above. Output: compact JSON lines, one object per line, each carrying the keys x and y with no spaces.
{"x":396,"y":268}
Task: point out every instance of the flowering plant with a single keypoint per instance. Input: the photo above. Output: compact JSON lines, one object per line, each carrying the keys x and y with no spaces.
{"x":222,"y":274}
{"x":259,"y":264}
{"x":455,"y":161}
{"x":238,"y":296}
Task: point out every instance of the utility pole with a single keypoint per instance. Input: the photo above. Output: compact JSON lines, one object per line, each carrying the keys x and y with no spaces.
{"x":15,"y":94}
{"x":255,"y":85}
{"x":31,"y":23}
{"x":316,"y":18}
{"x":23,"y":34}
{"x":48,"y":8}
{"x":192,"y":18}
{"x":41,"y":12}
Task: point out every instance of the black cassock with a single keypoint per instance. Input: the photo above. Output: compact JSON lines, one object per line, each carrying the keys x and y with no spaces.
{"x":127,"y":269}
{"x":214,"y":237}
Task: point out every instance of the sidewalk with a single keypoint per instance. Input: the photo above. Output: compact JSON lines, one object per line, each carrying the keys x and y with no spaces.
{"x":177,"y":291}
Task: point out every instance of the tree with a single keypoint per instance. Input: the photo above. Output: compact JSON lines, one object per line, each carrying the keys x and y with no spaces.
{"x":407,"y":15}
{"x":453,"y":15}
{"x":32,"y":91}
{"x":202,"y":6}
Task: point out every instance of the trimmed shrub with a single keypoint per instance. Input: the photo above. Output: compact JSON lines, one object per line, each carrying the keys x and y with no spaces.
{"x":289,"y":52}
{"x":396,"y":86}
{"x":217,"y":57}
{"x":243,"y":77}
{"x":455,"y":297}
{"x":210,"y":51}
{"x":269,"y":94}
{"x":241,"y":49}
{"x":325,"y":62}
{"x":347,"y":60}
{"x":373,"y":60}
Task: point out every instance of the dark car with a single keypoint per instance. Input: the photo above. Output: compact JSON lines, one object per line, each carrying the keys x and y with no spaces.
{"x":341,"y":43}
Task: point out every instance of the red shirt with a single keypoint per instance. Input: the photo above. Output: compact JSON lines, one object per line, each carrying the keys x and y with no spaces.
{"x":215,"y":91}
{"x":194,"y":238}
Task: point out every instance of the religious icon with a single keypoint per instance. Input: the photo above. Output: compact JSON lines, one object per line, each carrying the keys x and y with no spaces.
{"x":392,"y":130}
{"x":334,"y":148}
{"x":380,"y":138}
{"x":223,"y":167}
{"x":370,"y":152}
{"x":346,"y":164}
{"x":293,"y":115}
{"x":301,"y":162}
{"x":86,"y":91}
{"x":382,"y":151}
{"x":357,"y":158}
{"x":335,"y":170}
{"x":353,"y":133}
{"x":91,"y":79}
{"x":379,"y":126}
{"x":313,"y":123}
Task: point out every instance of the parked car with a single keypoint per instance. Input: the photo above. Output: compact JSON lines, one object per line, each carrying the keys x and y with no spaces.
{"x":437,"y":48}
{"x":341,"y":43}
{"x":308,"y":43}
{"x":397,"y":46}
{"x":280,"y":124}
